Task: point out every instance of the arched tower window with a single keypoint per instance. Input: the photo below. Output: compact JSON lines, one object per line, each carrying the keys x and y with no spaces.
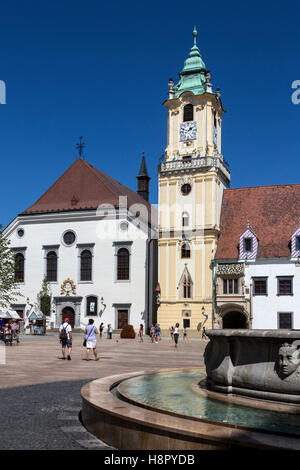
{"x":185,"y":250}
{"x":52,"y":266}
{"x":188,"y":113}
{"x":19,"y":267}
{"x":123,"y":265}
{"x":185,"y":219}
{"x":86,"y":266}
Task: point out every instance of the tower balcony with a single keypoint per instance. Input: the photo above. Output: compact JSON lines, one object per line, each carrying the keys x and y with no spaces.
{"x":182,"y":166}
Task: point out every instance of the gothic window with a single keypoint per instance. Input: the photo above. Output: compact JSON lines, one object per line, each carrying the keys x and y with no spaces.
{"x":91,"y":306}
{"x":188,"y":113}
{"x":19,"y":267}
{"x":86,"y":266}
{"x":52,"y":266}
{"x":123,"y":265}
{"x":185,"y":250}
{"x":186,"y":285}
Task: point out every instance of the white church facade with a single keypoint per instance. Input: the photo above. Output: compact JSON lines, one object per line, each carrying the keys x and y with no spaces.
{"x":93,"y":239}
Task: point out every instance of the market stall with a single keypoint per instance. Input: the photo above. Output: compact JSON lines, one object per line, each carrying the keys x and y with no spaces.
{"x":37,"y":324}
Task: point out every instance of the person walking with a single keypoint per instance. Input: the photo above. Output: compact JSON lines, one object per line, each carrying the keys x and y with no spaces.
{"x":157,"y":333}
{"x":7,"y":334}
{"x":184,"y":333}
{"x":101,"y":328}
{"x":90,"y":332}
{"x":65,"y":338}
{"x":152,"y":333}
{"x":203,"y":333}
{"x":176,"y":334}
{"x":172,"y":333}
{"x":109,"y":331}
{"x":141,"y":332}
{"x":15,"y":332}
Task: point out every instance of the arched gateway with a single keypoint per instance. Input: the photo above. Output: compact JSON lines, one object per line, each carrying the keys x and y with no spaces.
{"x":234,"y":320}
{"x":69,"y":313}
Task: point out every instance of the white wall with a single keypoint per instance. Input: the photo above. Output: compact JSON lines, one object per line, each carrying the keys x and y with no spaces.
{"x":267,"y":307}
{"x":41,"y":230}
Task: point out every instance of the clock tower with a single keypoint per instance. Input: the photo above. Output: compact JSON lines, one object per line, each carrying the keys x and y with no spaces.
{"x":192,"y":177}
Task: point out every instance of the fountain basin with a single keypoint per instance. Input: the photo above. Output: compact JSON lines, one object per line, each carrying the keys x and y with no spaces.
{"x":131,"y":412}
{"x":257,"y":363}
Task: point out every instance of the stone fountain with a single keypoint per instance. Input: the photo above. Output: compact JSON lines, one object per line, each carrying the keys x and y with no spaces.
{"x":248,"y":397}
{"x":262,"y":364}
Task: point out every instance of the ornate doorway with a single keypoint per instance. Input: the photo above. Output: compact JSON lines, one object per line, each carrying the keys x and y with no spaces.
{"x":122,"y":318}
{"x":69,"y":313}
{"x":234,"y":320}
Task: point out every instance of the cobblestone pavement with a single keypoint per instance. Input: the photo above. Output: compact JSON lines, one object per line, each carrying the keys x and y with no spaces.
{"x":40,"y":397}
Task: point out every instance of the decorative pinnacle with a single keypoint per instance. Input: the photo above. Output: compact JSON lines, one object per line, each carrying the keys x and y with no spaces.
{"x":195,"y":36}
{"x":80,"y":146}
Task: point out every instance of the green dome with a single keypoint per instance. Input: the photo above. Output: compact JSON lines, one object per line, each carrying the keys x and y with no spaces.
{"x":192,"y":76}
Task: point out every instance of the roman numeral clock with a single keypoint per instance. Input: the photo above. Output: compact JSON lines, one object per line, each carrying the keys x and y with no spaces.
{"x":188,"y":131}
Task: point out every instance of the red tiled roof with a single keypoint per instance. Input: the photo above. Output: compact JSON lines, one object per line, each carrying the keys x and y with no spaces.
{"x":83,"y":186}
{"x":273,"y":213}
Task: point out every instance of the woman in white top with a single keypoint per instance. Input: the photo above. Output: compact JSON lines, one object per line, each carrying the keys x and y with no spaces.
{"x":90,"y":332}
{"x":176,"y":334}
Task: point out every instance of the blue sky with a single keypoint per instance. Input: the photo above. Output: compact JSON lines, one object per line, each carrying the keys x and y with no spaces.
{"x":74,"y":68}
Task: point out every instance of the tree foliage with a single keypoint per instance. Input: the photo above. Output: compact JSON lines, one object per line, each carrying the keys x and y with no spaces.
{"x":44,"y":297}
{"x":9,"y":290}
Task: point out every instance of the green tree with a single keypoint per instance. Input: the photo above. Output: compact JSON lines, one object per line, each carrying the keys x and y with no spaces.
{"x":44,"y":297}
{"x":9,"y":290}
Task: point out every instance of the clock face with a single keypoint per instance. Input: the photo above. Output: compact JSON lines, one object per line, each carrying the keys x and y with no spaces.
{"x":188,"y":130}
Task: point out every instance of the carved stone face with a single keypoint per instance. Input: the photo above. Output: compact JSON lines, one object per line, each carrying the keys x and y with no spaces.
{"x":289,"y":359}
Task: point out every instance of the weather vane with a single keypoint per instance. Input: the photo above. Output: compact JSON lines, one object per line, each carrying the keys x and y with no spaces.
{"x":80,"y":146}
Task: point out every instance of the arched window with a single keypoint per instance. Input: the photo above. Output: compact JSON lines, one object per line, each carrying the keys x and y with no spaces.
{"x":186,"y":285}
{"x":19,"y":267}
{"x":185,"y":219}
{"x":188,"y":113}
{"x":123,"y":265}
{"x":86,"y":266}
{"x":185,"y":250}
{"x":52,"y":266}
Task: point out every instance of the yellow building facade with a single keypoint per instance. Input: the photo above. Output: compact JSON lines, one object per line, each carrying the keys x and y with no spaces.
{"x":192,"y":178}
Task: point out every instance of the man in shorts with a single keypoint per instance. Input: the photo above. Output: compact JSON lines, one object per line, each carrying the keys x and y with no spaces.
{"x":65,"y":338}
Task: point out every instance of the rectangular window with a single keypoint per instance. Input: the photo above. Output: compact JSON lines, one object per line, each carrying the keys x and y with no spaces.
{"x":259,"y":286}
{"x":298,"y":243}
{"x":186,"y":323}
{"x":91,"y":306}
{"x":285,"y":321}
{"x":230,"y":286}
{"x":285,"y":286}
{"x":186,"y":158}
{"x":248,"y":244}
